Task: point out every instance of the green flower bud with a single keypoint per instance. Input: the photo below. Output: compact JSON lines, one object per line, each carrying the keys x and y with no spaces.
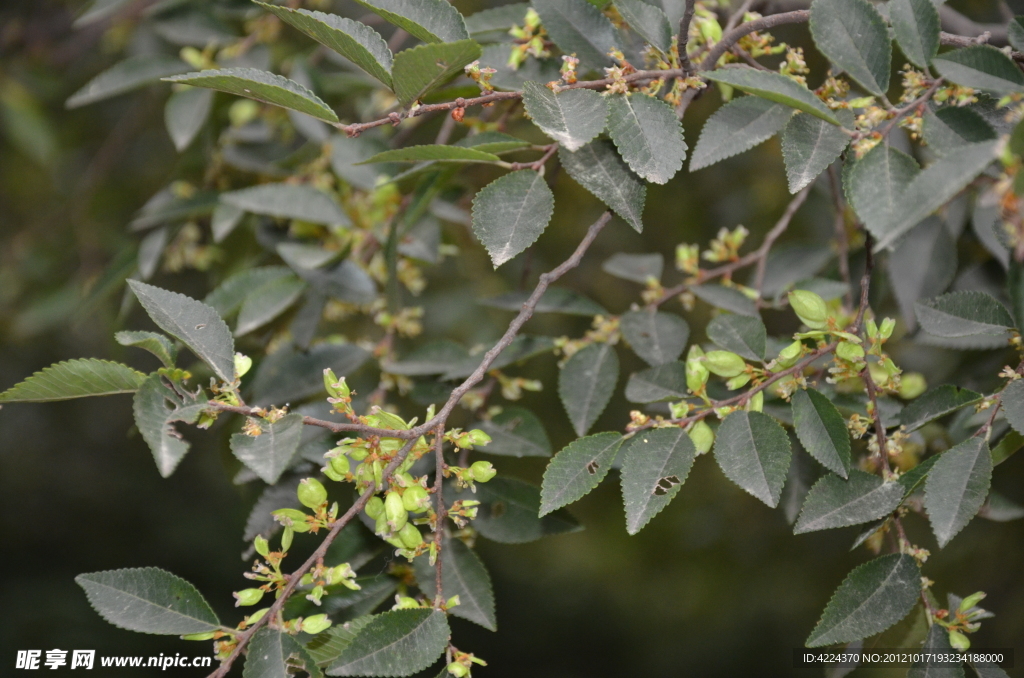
{"x":912,"y":384}
{"x":478,"y":437}
{"x":410,"y":536}
{"x":358,"y":453}
{"x":959,"y":641}
{"x":971,"y":601}
{"x":482,"y":471}
{"x":261,"y":545}
{"x":458,"y":670}
{"x":340,"y":464}
{"x":311,"y":493}
{"x":810,"y":308}
{"x":394,"y":511}
{"x":331,"y":383}
{"x":247,"y":597}
{"x":849,"y":352}
{"x":242,"y":365}
{"x":454,"y":601}
{"x":739,"y":381}
{"x":789,"y":355}
{"x":696,"y":372}
{"x":292,"y":518}
{"x":416,"y":499}
{"x":374,"y":507}
{"x":406,"y":603}
{"x":702,"y":436}
{"x":381,"y":528}
{"x":886,"y":328}
{"x":286,"y":538}
{"x":315,"y":624}
{"x":756,"y":402}
{"x":725,"y":363}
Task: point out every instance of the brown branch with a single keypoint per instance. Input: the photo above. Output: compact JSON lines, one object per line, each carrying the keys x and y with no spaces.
{"x":733,"y":36}
{"x":442,"y":512}
{"x":536,"y":165}
{"x":773,"y":235}
{"x":684,"y":37}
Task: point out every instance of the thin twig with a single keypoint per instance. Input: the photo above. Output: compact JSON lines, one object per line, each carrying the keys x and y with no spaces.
{"x":842,"y":241}
{"x":774,"y":234}
{"x":684,"y":37}
{"x":442,"y":512}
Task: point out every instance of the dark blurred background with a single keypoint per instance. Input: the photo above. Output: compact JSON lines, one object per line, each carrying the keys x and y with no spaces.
{"x":716,"y":585}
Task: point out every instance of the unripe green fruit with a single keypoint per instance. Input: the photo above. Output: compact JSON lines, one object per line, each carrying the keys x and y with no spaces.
{"x":293,"y":518}
{"x":971,"y":601}
{"x":725,"y":363}
{"x":478,"y":437}
{"x":410,"y":536}
{"x":696,"y":372}
{"x":789,"y":355}
{"x":458,"y":670}
{"x":959,"y":641}
{"x":415,"y":499}
{"x":810,"y":308}
{"x":912,"y":384}
{"x":886,"y":328}
{"x":482,"y":471}
{"x":375,"y":507}
{"x":849,"y":351}
{"x":340,"y":464}
{"x":756,"y":402}
{"x":311,"y":493}
{"x":358,"y":453}
{"x":403,"y":479}
{"x":261,"y":545}
{"x":406,"y":603}
{"x":242,"y":365}
{"x":381,"y":527}
{"x":248,"y":597}
{"x":315,"y":624}
{"x":739,"y":381}
{"x":394,"y":511}
{"x":878,"y":374}
{"x":702,"y":436}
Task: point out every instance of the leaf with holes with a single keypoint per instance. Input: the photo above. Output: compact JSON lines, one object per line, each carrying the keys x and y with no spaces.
{"x":657,"y":384}
{"x":810,"y":145}
{"x":647,"y":20}
{"x":599,"y":169}
{"x":876,"y":183}
{"x":655,"y":464}
{"x":572,"y":118}
{"x":579,"y":28}
{"x":148,"y":600}
{"x":656,"y":337}
{"x":577,"y":469}
{"x":936,"y":403}
{"x":515,"y":432}
{"x":354,"y":40}
{"x":773,"y":87}
{"x":419,"y":70}
{"x":648,"y":135}
{"x":125,"y":76}
{"x":428,"y":20}
{"x":736,"y":127}
{"x":396,"y":643}
{"x":261,"y":86}
{"x":197,"y":325}
{"x":853,"y":35}
{"x":834,"y":502}
{"x":463,"y":574}
{"x":431,"y":153}
{"x":511,"y":212}
{"x":586,"y":383}
{"x":743,"y":335}
{"x":288,"y":201}
{"x":75,"y":379}
{"x":157,"y":407}
{"x":872,"y":598}
{"x":269,"y":453}
{"x":980,"y":67}
{"x":822,"y":430}
{"x":956,"y":487}
{"x":154,"y":342}
{"x":754,"y":452}
{"x":916,"y":24}
{"x":275,"y":654}
{"x":963,"y":314}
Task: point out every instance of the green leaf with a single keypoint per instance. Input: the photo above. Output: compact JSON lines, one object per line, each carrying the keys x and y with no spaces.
{"x":834,"y":502}
{"x":355,"y":41}
{"x":956,"y":487}
{"x":980,"y":67}
{"x":916,"y":24}
{"x":743,"y":335}
{"x":951,"y":127}
{"x":154,"y":342}
{"x":936,"y":642}
{"x":328,"y":646}
{"x":661,"y":383}
{"x":511,"y":212}
{"x":156,"y":407}
{"x":493,"y":142}
{"x":227,"y":297}
{"x":999,"y":509}
{"x":224,"y":220}
{"x":185,"y":113}
{"x":872,"y":598}
{"x":269,"y":453}
{"x":922,"y":265}
{"x":288,"y":201}
{"x":572,"y":118}
{"x":638,"y":268}
{"x":656,"y":337}
{"x":194,"y":323}
{"x":586,"y":383}
{"x":912,"y":478}
{"x":599,"y":169}
{"x":425,"y":67}
{"x":936,"y":403}
{"x":515,"y":432}
{"x":396,"y":643}
{"x":648,"y":135}
{"x":521,"y":348}
{"x":267,"y":302}
{"x":655,"y":464}
{"x":754,"y":452}
{"x":124,"y":76}
{"x":432,"y":152}
{"x":853,"y":35}
{"x":75,"y":379}
{"x":726,"y":298}
{"x":148,"y":600}
{"x":809,"y":146}
{"x":492,"y":25}
{"x":1015,"y":31}
{"x":261,"y":86}
{"x":1012,"y":400}
{"x":1007,"y":447}
{"x":876,"y":184}
{"x":934,"y":187}
{"x":774,"y":87}
{"x":1015,"y":291}
{"x":647,"y":20}
{"x":579,"y":28}
{"x":963,"y":314}
{"x":554,"y":300}
{"x":435,"y":357}
{"x":736,"y":127}
{"x":509,"y":512}
{"x":428,"y":20}
{"x":463,"y":574}
{"x":577,"y":469}
{"x":275,"y":654}
{"x":822,"y":431}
